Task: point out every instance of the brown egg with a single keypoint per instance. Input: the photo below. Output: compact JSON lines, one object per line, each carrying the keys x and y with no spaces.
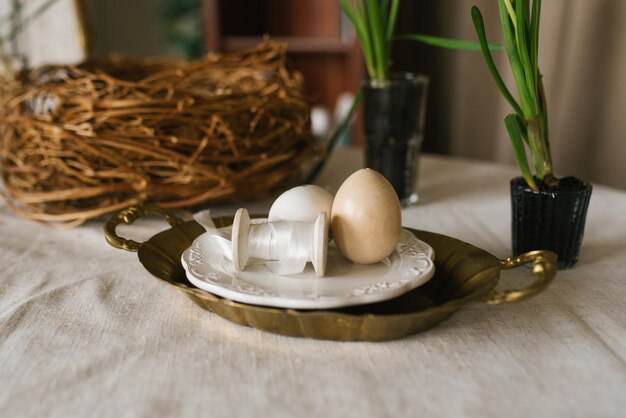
{"x":366,"y":218}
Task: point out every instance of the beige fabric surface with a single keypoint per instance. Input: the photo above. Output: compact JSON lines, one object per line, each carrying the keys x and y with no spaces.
{"x":86,"y":331}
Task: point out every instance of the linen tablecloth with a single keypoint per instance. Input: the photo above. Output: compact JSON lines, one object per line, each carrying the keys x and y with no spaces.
{"x":86,"y":331}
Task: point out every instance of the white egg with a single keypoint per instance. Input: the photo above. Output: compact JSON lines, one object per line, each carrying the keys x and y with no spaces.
{"x":301,"y":204}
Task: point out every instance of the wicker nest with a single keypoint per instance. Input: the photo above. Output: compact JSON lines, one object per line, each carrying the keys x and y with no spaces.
{"x":81,"y":141}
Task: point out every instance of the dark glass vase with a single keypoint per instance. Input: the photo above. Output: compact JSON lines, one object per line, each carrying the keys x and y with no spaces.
{"x":550,"y":220}
{"x":393,"y":124}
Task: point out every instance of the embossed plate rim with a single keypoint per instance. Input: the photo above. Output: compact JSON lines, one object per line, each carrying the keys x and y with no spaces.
{"x":251,"y":295}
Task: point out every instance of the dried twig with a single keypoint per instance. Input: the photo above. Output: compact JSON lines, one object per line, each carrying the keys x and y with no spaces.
{"x":81,"y":141}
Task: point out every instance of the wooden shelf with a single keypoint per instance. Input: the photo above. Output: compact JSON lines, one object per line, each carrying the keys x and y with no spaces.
{"x":297,"y":44}
{"x":321,"y":44}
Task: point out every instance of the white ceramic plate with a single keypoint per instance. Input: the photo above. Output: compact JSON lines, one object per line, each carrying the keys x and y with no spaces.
{"x":346,"y":283}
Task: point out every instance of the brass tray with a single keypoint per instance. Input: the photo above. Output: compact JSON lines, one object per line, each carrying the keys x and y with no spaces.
{"x":463,"y":274}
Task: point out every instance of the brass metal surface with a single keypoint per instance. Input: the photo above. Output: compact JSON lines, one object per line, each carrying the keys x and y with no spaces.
{"x":129,"y":216}
{"x":463,"y":274}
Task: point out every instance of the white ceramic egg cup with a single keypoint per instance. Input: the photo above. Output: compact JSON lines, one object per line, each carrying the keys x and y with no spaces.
{"x":241,"y":233}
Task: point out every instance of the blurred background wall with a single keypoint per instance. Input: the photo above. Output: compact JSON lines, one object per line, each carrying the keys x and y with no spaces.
{"x":51,"y":30}
{"x":583,"y":61}
{"x":582,"y":57}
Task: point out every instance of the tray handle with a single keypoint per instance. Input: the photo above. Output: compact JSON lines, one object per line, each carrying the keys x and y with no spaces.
{"x":542,"y":266}
{"x":130,"y":215}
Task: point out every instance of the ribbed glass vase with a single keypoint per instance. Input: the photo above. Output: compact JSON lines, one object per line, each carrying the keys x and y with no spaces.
{"x":393,"y":125}
{"x":550,"y":220}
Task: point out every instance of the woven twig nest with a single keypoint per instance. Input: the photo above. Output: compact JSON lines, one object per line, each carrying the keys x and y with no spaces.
{"x":81,"y":141}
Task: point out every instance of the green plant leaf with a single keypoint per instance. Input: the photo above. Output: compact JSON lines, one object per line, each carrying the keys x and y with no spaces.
{"x":517,"y":132}
{"x":384,"y":6}
{"x":510,"y":10}
{"x":375,"y":20}
{"x":390,"y":30}
{"x":529,"y":125}
{"x":521,"y":37}
{"x":363,"y":20}
{"x":448,"y":42}
{"x":539,"y":147}
{"x":544,"y":115}
{"x":517,"y":68}
{"x":534,"y":39}
{"x":360,"y":27}
{"x":479,"y":24}
{"x":391,"y":22}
